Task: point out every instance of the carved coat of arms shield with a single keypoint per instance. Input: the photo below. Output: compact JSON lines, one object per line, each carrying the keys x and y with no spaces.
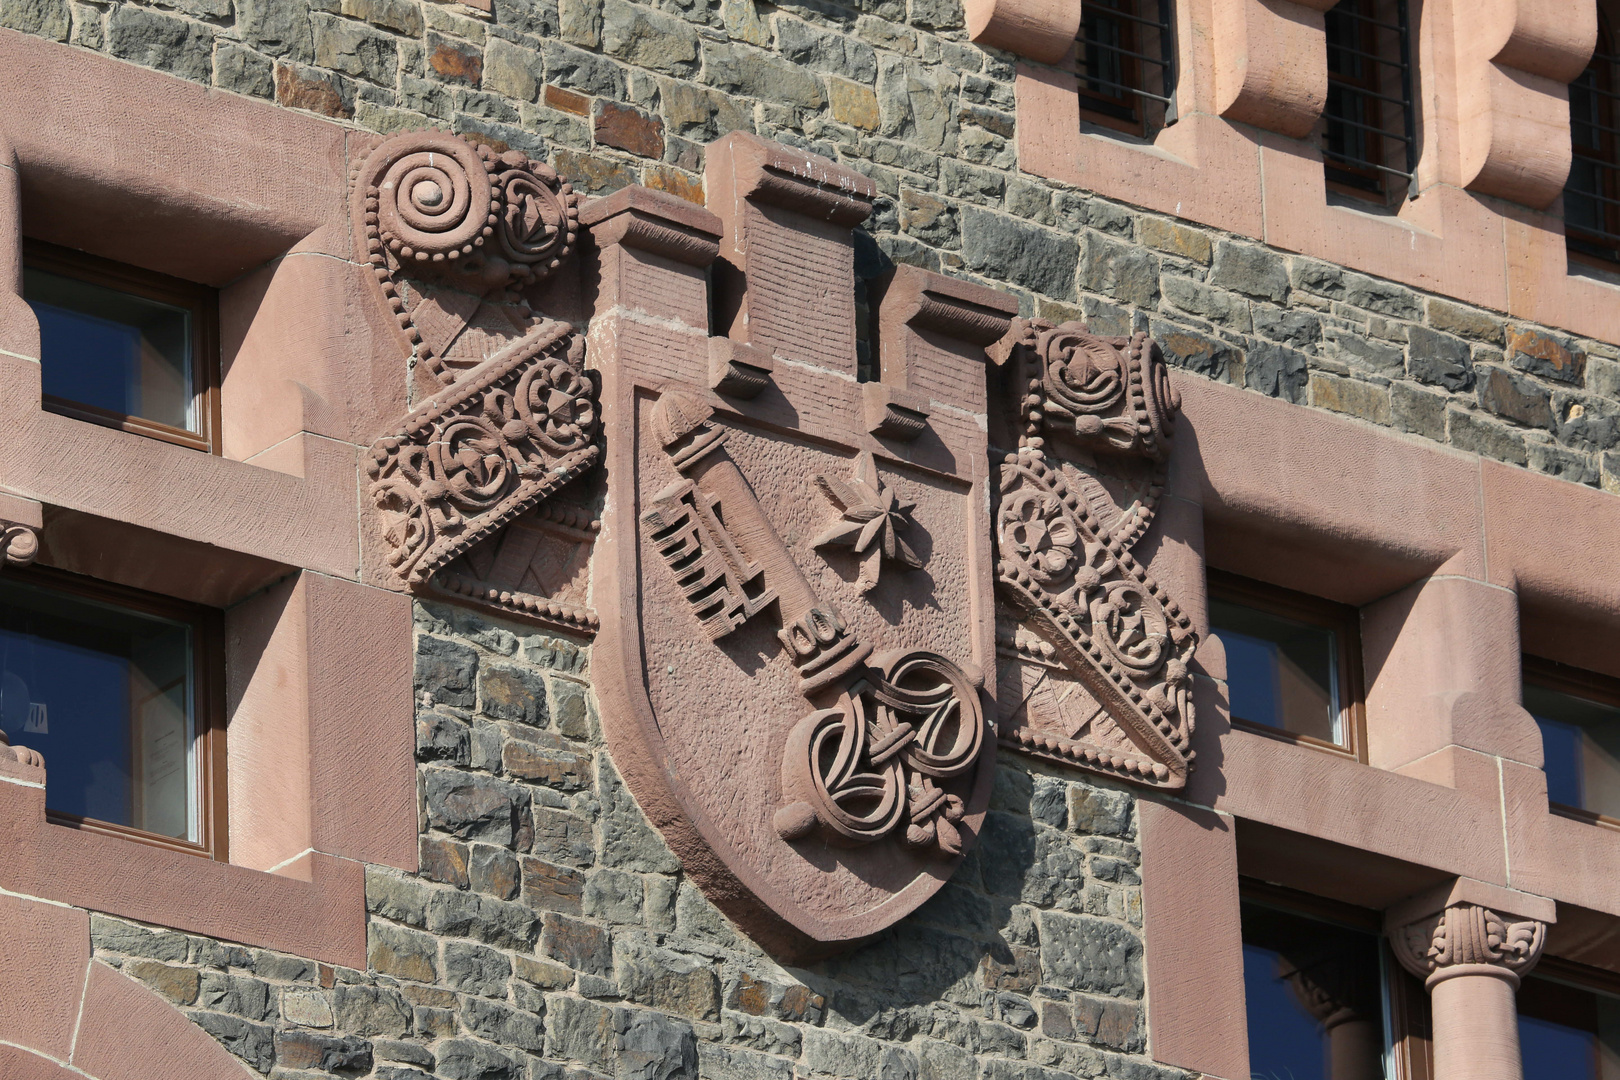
{"x":795,"y":574}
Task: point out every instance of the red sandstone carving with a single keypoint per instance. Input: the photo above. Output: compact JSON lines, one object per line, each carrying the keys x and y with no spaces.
{"x":457,"y":237}
{"x":484,"y":450}
{"x":19,"y":542}
{"x":1096,"y":673}
{"x":1463,"y":938}
{"x":455,"y":233}
{"x":871,"y":519}
{"x":808,"y":734}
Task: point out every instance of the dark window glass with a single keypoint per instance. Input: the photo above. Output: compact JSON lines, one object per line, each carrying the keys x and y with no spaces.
{"x":1568,"y":1032}
{"x":111,"y":350}
{"x":1370,"y":125}
{"x":1126,"y":63}
{"x":106,"y":694}
{"x":1592,"y":192}
{"x":1315,"y":998}
{"x":1580,"y":740}
{"x":1280,"y":673}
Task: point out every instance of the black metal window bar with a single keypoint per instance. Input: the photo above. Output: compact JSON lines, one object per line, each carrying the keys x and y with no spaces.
{"x":1592,"y":193}
{"x":1370,"y":141}
{"x":1125,"y":58}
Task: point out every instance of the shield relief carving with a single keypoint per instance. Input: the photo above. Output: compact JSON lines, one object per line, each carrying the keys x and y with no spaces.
{"x":794,"y":574}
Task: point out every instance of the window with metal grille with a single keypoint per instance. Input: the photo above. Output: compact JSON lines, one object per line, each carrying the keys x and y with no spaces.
{"x":1125,"y":60}
{"x":1592,"y":194}
{"x":1369,"y":139}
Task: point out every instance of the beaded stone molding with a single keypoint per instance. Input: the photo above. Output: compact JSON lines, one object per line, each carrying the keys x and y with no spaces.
{"x":457,"y":237}
{"x":455,"y":233}
{"x":1094,"y":653}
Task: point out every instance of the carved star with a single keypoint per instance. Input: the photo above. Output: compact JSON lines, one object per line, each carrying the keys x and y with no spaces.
{"x":871,"y":519}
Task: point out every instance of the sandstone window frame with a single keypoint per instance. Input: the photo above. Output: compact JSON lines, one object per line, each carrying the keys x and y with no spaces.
{"x":208,"y":694}
{"x":1371,"y":177}
{"x":1405,"y":1002}
{"x":201,"y":303}
{"x":1585,"y":685}
{"x":1342,"y":620}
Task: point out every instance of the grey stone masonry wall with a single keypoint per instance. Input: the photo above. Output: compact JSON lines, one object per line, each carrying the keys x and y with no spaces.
{"x":551,"y":934}
{"x":614,"y":92}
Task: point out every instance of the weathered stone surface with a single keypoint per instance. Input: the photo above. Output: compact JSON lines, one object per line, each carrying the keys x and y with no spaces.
{"x":509,"y":692}
{"x":444,"y":860}
{"x":179,"y":46}
{"x":393,"y":950}
{"x":826,"y":51}
{"x":665,"y":979}
{"x":306,"y":1008}
{"x":1250,"y":269}
{"x":756,"y":74}
{"x":1586,"y":422}
{"x":1514,"y":396}
{"x":1119,"y":270}
{"x":1379,"y":357}
{"x":1277,"y":371}
{"x":580,"y":945}
{"x":1422,"y":412}
{"x":470,"y":1059}
{"x":1174,"y":238}
{"x":178,"y":984}
{"x":370,"y":1010}
{"x":579,"y":1030}
{"x":1466,"y":321}
{"x":234,"y":994}
{"x":1439,"y":359}
{"x":647,"y":38}
{"x":470,"y":914}
{"x":1353,"y":397}
{"x":474,"y":807}
{"x":447,"y":670}
{"x":42,"y":18}
{"x":303,"y":88}
{"x":1198,"y":352}
{"x":546,"y":764}
{"x":1479,"y":434}
{"x":253,"y":1043}
{"x":1100,"y":811}
{"x":628,"y":128}
{"x":628,"y":842}
{"x":1036,"y":258}
{"x":1225,"y":308}
{"x":512,"y":70}
{"x":1548,"y":355}
{"x":354,"y":49}
{"x":1079,"y":952}
{"x":494,"y":870}
{"x":502,"y":1025}
{"x":118,"y":936}
{"x":476,"y":969}
{"x":309,"y":1050}
{"x":853,"y":104}
{"x":651,"y":1046}
{"x":564,"y":837}
{"x":912,"y":102}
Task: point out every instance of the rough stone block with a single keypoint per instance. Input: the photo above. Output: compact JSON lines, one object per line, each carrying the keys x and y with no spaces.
{"x":1564,"y":464}
{"x":355,"y":49}
{"x":1275,"y":370}
{"x":1097,"y":811}
{"x":1196,"y":298}
{"x":243,"y":71}
{"x":476,"y":969}
{"x":309,"y":1050}
{"x":1586,"y":422}
{"x":178,"y":984}
{"x":370,"y":1010}
{"x":298,"y":87}
{"x":470,"y":914}
{"x":1080,"y":952}
{"x":253,"y":1043}
{"x":580,"y":945}
{"x":243,"y":997}
{"x":1439,"y":359}
{"x":825,"y":51}
{"x":493,"y":870}
{"x":1479,"y":434}
{"x":405,"y":954}
{"x":1539,"y":352}
{"x":1120,"y":270}
{"x":117,"y":936}
{"x":505,"y":1026}
{"x":443,"y":860}
{"x":474,"y":807}
{"x":512,"y":70}
{"x":664,"y":979}
{"x":913,"y":102}
{"x":1353,"y":397}
{"x":627,"y":128}
{"x":179,"y":46}
{"x":509,"y":692}
{"x":1516,"y":397}
{"x":448,"y":670}
{"x":1174,"y":238}
{"x":1250,"y":269}
{"x":1422,"y":412}
{"x":471,"y":1059}
{"x":580,"y":1030}
{"x":1465,"y":321}
{"x":306,"y":1008}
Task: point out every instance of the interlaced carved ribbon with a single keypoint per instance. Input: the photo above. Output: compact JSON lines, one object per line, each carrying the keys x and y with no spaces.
{"x":876,"y":759}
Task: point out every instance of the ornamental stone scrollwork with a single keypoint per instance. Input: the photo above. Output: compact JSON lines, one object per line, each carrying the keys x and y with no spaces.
{"x":1095,"y":653}
{"x":19,"y":542}
{"x":795,"y":600}
{"x":1469,"y":939}
{"x":462,"y":242}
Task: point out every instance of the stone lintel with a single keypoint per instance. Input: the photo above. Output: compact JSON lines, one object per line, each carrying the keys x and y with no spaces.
{"x":656,"y":222}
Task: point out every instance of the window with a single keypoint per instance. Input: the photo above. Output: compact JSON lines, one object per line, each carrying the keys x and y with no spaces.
{"x":1325,"y":999}
{"x":1569,"y":1023}
{"x":119,"y":691}
{"x":1579,"y":716}
{"x":1293,"y":663}
{"x":124,"y":347}
{"x":1592,"y":194}
{"x":1126,"y":62}
{"x":1370,"y":126}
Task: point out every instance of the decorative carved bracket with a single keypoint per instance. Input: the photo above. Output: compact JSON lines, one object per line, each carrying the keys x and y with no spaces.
{"x":1096,"y":670}
{"x":479,"y":453}
{"x":457,"y":236}
{"x":19,"y":542}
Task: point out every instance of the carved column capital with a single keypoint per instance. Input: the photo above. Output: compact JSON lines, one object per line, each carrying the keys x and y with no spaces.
{"x":1470,"y":928}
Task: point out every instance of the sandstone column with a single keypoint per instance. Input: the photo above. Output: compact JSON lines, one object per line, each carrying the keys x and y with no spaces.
{"x":1471,"y":942}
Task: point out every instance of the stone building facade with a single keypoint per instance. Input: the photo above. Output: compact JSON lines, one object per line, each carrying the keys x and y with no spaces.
{"x":695,"y":715}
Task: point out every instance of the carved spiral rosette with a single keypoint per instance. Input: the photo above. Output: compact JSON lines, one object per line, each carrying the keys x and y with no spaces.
{"x":884,"y":759}
{"x":512,"y":431}
{"x":433,"y":207}
{"x":19,"y":542}
{"x":1110,"y":393}
{"x":1469,"y":939}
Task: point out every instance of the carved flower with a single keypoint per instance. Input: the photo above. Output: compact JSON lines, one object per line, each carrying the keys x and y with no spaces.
{"x":1041,"y":533}
{"x":871,"y":518}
